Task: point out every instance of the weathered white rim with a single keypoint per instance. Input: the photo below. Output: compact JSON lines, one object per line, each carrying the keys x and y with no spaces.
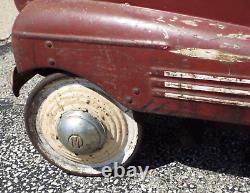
{"x":72,"y":94}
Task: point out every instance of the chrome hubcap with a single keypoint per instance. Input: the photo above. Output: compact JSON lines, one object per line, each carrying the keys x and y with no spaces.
{"x":80,"y":133}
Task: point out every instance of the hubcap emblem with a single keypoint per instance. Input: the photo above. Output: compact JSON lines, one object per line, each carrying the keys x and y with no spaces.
{"x":75,"y":141}
{"x":80,"y":133}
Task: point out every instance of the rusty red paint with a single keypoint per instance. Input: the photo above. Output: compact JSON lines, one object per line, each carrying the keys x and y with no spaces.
{"x":122,"y":47}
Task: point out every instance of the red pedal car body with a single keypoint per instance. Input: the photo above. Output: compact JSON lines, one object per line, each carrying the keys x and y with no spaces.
{"x":104,"y":60}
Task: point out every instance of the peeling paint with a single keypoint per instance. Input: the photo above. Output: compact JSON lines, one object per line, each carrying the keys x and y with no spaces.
{"x":160,"y":19}
{"x":198,"y":20}
{"x":165,"y":34}
{"x":217,"y":25}
{"x":228,"y":45}
{"x":239,"y":36}
{"x":204,"y":88}
{"x":205,"y":77}
{"x":181,"y":95}
{"x":198,"y":37}
{"x":174,"y":19}
{"x":210,"y":54}
{"x":206,"y":99}
{"x":190,"y":22}
{"x":126,"y":4}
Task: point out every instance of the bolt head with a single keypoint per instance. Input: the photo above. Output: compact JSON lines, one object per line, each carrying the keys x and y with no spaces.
{"x":136,"y":91}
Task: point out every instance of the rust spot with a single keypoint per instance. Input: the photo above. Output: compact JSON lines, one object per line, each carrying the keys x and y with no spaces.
{"x":129,"y":99}
{"x":51,"y":61}
{"x":136,"y":91}
{"x":49,"y":44}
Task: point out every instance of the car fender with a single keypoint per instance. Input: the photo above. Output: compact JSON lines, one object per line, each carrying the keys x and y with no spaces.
{"x":132,"y":53}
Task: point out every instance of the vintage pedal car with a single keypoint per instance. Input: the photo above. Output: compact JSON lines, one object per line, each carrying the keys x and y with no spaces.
{"x":105,"y":60}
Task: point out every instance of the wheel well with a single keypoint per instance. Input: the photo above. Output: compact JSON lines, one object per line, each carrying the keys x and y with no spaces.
{"x":48,"y":71}
{"x":20,"y":79}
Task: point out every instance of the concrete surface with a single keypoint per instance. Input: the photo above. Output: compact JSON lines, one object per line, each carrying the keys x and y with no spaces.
{"x":219,"y":163}
{"x":8,"y":12}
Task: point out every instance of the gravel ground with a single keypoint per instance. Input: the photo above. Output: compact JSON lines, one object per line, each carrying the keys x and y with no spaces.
{"x":217,"y":161}
{"x":8,"y":13}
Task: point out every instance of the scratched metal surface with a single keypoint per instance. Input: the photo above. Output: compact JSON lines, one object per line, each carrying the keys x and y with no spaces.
{"x":219,"y":163}
{"x":123,"y":48}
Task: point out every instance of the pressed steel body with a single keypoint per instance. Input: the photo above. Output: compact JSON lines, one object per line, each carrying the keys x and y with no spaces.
{"x":223,"y":10}
{"x":155,"y":60}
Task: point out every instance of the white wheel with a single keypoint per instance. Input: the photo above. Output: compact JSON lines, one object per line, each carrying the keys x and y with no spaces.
{"x":76,"y":127}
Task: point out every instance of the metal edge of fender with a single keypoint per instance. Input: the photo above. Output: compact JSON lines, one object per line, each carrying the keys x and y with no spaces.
{"x":20,"y":4}
{"x":17,"y":80}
